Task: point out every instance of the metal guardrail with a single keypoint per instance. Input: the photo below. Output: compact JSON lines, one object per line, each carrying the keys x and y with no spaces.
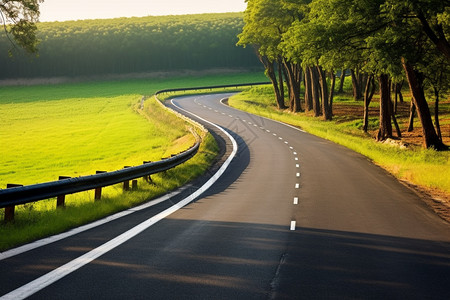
{"x":210,"y":87}
{"x":41,"y":191}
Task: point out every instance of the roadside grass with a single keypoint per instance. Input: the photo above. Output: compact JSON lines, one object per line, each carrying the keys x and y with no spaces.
{"x":426,"y":168}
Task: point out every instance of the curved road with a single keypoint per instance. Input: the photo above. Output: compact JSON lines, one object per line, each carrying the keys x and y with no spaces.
{"x":293,"y":217}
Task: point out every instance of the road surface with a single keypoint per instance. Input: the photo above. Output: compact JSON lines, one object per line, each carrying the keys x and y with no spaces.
{"x":292,"y":217}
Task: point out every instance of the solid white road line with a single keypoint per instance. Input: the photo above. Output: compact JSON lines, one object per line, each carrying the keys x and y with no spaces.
{"x":58,"y":237}
{"x":53,"y":276}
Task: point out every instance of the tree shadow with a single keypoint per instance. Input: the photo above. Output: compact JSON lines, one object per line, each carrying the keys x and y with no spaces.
{"x":226,"y":260}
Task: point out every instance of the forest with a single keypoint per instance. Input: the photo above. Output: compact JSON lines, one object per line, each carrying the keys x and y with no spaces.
{"x":384,"y":45}
{"x":130,"y":45}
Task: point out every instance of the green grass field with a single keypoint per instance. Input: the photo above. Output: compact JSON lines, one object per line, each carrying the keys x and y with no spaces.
{"x":76,"y":129}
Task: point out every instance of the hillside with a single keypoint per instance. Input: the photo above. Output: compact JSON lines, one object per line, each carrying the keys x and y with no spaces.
{"x":131,"y":45}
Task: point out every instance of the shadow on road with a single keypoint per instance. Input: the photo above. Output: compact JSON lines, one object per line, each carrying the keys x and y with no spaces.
{"x":262,"y":261}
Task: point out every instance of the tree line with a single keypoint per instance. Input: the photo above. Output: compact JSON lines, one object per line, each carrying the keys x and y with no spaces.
{"x":129,"y":45}
{"x":380,"y":43}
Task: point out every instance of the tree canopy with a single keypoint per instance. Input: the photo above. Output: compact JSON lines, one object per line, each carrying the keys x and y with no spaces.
{"x":132,"y":45}
{"x":384,"y":39}
{"x":19,"y":19}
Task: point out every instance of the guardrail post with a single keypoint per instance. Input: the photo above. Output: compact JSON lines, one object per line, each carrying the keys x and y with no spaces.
{"x":9,"y":210}
{"x":61,"y":199}
{"x":134,"y":185}
{"x":148,"y":178}
{"x":98,"y":191}
{"x":126,"y":184}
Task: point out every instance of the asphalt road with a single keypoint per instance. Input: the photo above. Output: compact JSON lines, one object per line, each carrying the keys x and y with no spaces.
{"x":292,"y":217}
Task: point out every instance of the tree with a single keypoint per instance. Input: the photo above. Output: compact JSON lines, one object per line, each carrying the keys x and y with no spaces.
{"x":19,"y":19}
{"x":411,"y":24}
{"x":264,"y":22}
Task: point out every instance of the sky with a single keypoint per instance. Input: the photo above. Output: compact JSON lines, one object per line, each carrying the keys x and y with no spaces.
{"x":63,"y":10}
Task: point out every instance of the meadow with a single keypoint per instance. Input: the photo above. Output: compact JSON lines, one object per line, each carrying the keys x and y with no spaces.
{"x":75,"y":129}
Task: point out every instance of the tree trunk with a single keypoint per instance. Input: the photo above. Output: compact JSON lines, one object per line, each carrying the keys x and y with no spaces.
{"x":436,"y":114}
{"x":385,"y":130}
{"x":394,"y":119}
{"x":270,"y":72}
{"x":368,"y":95}
{"x":341,"y":82}
{"x":412,"y":112}
{"x":325,"y":96}
{"x":415,"y":80}
{"x":394,"y":89}
{"x":308,"y":90}
{"x":331,"y":96}
{"x":294,"y":78}
{"x":315,"y":90}
{"x":398,"y":87}
{"x":281,"y":84}
{"x":356,"y":82}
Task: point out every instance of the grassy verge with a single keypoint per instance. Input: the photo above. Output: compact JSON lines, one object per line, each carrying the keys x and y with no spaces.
{"x":426,"y":168}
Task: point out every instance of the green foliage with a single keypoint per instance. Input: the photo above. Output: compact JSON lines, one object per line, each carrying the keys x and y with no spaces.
{"x":22,"y":15}
{"x":130,"y":45}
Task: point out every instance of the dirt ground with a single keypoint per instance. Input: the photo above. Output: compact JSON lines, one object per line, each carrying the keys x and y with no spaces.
{"x":435,"y":199}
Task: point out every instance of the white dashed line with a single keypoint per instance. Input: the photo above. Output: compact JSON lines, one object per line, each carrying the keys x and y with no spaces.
{"x":295,"y":200}
{"x":297,"y":185}
{"x":298,"y":174}
{"x":293,"y":224}
{"x":297,"y":166}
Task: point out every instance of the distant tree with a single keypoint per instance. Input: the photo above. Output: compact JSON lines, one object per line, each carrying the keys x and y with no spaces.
{"x":19,"y":18}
